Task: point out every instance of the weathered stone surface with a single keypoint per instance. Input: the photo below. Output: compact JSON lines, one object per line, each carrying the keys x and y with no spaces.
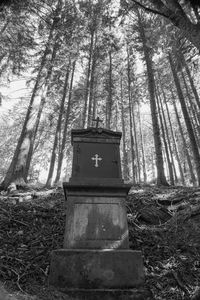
{"x":96,"y":269}
{"x":140,"y":293}
{"x":96,"y":223}
{"x":96,"y":154}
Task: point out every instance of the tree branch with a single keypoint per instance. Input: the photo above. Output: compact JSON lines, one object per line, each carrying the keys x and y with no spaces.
{"x":150,"y":9}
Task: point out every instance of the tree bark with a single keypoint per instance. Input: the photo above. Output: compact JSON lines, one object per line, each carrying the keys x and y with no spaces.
{"x":173,"y":139}
{"x":125,"y":156}
{"x":88,"y":81}
{"x":173,"y":11}
{"x":142,"y":147}
{"x":136,"y":145}
{"x":41,"y":106}
{"x":161,"y":180}
{"x":183,"y":140}
{"x":109,"y":99}
{"x":58,"y":129}
{"x":61,"y":154}
{"x":131,"y":119}
{"x":191,"y":81}
{"x":187,"y":119}
{"x":192,"y":110}
{"x":91,"y":88}
{"x":17,"y":170}
{"x":169,"y":163}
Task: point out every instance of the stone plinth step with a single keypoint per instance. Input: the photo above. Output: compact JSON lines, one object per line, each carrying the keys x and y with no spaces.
{"x":141,"y":293}
{"x":96,"y":269}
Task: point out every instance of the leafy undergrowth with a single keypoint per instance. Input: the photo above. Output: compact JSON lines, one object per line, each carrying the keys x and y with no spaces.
{"x":164,"y":223}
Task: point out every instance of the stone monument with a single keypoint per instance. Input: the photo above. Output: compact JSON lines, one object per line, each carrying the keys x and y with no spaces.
{"x":96,"y":252}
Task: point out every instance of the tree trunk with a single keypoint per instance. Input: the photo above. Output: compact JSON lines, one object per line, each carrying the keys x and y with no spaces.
{"x":125,"y":156}
{"x":161,"y":180}
{"x":192,"y":110}
{"x":174,"y":141}
{"x":136,"y":146}
{"x":61,"y":154}
{"x":17,"y":169}
{"x":142,"y":147}
{"x":58,"y":129}
{"x":131,"y":120}
{"x":165,"y":143}
{"x":168,"y":141}
{"x":41,"y":106}
{"x":88,"y":81}
{"x":191,"y":81}
{"x":110,"y":88}
{"x":184,"y":141}
{"x":173,"y":11}
{"x":91,"y":88}
{"x":187,"y":119}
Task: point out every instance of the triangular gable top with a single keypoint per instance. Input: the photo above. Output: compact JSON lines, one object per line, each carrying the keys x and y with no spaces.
{"x":95,"y":133}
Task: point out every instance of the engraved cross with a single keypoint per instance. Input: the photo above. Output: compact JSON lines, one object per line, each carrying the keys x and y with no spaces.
{"x":97,"y":158}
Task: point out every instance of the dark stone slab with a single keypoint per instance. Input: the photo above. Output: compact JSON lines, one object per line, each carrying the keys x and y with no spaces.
{"x":96,"y":154}
{"x":141,"y":293}
{"x":96,"y":269}
{"x":96,"y":223}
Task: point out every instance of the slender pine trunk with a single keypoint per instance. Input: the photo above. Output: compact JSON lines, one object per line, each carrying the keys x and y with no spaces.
{"x":58,"y":129}
{"x":131,"y":120}
{"x":183,"y":140}
{"x":125,"y":156}
{"x":174,"y":141}
{"x":193,"y":142}
{"x":88,"y":81}
{"x":168,"y":140}
{"x":41,"y":106}
{"x":17,"y":170}
{"x":61,"y":154}
{"x":161,"y":180}
{"x":142,"y":147}
{"x":136,"y":146}
{"x":165,"y":142}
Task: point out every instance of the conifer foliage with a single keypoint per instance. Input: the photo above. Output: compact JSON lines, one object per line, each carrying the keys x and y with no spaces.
{"x":132,"y":63}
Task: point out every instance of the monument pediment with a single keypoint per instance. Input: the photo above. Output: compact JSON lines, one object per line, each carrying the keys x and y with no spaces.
{"x":95,"y":133}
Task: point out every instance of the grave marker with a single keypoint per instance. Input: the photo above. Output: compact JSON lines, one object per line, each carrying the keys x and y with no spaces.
{"x":96,"y":252}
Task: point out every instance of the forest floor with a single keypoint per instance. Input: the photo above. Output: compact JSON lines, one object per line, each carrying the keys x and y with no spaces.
{"x":164,"y":223}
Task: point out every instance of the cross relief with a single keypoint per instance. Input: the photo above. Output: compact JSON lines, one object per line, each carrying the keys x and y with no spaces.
{"x":96,"y":158}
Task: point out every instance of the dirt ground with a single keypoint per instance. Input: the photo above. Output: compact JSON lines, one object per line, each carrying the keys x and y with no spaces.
{"x":164,"y":223}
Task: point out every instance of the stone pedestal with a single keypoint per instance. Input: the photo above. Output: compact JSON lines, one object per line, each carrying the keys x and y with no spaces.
{"x":96,"y":269}
{"x":96,"y":252}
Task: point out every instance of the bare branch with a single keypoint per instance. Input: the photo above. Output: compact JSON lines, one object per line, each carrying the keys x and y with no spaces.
{"x":150,"y":9}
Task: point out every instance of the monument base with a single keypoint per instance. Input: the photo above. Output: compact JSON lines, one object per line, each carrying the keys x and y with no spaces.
{"x":96,"y":269}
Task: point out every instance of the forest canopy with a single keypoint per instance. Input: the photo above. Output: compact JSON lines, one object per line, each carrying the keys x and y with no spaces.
{"x":135,"y":64}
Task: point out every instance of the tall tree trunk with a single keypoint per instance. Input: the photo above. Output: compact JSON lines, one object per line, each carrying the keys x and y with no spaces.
{"x":131,"y":119}
{"x":173,"y":139}
{"x":165,"y":143}
{"x":58,"y":129}
{"x":142,"y":147}
{"x":192,"y":110}
{"x":41,"y":106}
{"x":187,"y":119}
{"x":88,"y":81}
{"x":110,"y":89}
{"x":91,"y":88}
{"x":136,"y":145}
{"x":61,"y":154}
{"x":161,"y":180}
{"x":184,"y":141}
{"x":125,"y":155}
{"x":191,"y":81}
{"x":17,"y":169}
{"x":168,"y":140}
